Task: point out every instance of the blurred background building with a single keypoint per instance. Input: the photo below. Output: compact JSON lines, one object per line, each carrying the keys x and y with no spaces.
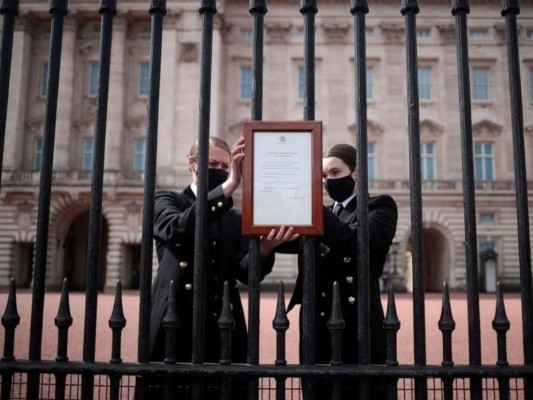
{"x":388,"y":155}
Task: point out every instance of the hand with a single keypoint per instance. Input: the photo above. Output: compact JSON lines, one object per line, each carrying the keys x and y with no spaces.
{"x":273,"y":239}
{"x":235,"y":175}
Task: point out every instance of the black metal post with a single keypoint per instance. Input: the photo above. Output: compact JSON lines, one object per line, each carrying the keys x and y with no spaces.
{"x":171,"y":324}
{"x":58,"y":10}
{"x":409,"y":11}
{"x":10,"y":320}
{"x":117,"y":322}
{"x":63,"y":321}
{"x":9,"y":9}
{"x":501,"y":325}
{"x":280,"y":324}
{"x":258,"y":9}
{"x":108,"y":9}
{"x":447,"y":326}
{"x":226,"y":324}
{"x":391,"y":324}
{"x":510,"y":10}
{"x":157,"y":12}
{"x":460,"y":10}
{"x":308,"y":9}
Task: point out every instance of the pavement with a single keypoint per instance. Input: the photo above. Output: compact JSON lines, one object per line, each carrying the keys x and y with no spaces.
{"x":404,"y":305}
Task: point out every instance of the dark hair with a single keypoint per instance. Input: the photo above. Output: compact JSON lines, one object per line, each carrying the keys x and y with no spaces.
{"x":213,"y":141}
{"x":345,"y":152}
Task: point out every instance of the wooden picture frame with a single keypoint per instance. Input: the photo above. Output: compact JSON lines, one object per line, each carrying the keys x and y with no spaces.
{"x":282,"y":182}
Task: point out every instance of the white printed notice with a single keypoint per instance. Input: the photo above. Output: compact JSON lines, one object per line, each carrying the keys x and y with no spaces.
{"x":282,"y":189}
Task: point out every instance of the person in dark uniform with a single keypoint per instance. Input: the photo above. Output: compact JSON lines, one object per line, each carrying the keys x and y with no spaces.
{"x":336,"y":253}
{"x":174,"y":230}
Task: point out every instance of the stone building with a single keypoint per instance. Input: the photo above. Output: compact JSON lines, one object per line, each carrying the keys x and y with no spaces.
{"x":443,"y":230}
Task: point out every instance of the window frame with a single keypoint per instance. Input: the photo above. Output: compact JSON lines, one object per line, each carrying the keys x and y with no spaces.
{"x":139,"y":153}
{"x":86,"y":154}
{"x":92,"y":80}
{"x":484,"y":157}
{"x":428,"y":85}
{"x":245,"y":87}
{"x":38,"y":144}
{"x":425,"y":156}
{"x":474,"y":85}
{"x":43,"y":80}
{"x":143,"y":82}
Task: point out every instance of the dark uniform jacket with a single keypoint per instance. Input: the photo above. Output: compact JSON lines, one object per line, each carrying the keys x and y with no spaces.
{"x":175,"y":216}
{"x":337,"y":261}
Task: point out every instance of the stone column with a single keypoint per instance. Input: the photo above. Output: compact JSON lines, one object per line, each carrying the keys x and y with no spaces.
{"x":166,"y":157}
{"x":116,"y":100}
{"x":215,"y":120}
{"x":66,"y":95}
{"x":18,"y":95}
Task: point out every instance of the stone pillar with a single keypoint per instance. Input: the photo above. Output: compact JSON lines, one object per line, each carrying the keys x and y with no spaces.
{"x":215,"y":120}
{"x":166,"y":154}
{"x":115,"y":108}
{"x":18,"y":95}
{"x":66,"y":95}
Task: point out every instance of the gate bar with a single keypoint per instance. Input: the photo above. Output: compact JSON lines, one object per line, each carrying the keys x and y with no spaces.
{"x":510,"y":9}
{"x":58,"y":10}
{"x":258,"y":9}
{"x":409,"y":11}
{"x":459,"y":10}
{"x":157,"y":10}
{"x":9,"y":9}
{"x":359,"y":8}
{"x":108,"y":9}
{"x":308,"y":9}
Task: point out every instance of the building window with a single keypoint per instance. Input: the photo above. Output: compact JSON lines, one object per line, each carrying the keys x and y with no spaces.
{"x":529,"y":34}
{"x":139,"y":151}
{"x":487,"y":218}
{"x":246,"y":33}
{"x":484,"y":161}
{"x":485,"y":245}
{"x":93,"y":79}
{"x":427,"y":161}
{"x":301,"y":83}
{"x":480,"y":84}
{"x":369,"y":33}
{"x":38,"y":154}
{"x":372,"y":161}
{"x":87,"y":156}
{"x":479,"y":34}
{"x":144,"y":78}
{"x":531,"y":83}
{"x":246,"y":83}
{"x":43,"y":90}
{"x":424,"y":83}
{"x":369,"y":83}
{"x":423,"y":33}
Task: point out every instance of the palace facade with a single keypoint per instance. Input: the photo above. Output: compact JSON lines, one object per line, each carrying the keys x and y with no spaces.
{"x":388,"y":159}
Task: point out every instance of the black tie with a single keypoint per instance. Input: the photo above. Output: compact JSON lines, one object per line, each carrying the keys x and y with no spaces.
{"x":338,"y":209}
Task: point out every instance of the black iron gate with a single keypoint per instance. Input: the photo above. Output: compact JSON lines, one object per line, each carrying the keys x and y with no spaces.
{"x":35,"y":378}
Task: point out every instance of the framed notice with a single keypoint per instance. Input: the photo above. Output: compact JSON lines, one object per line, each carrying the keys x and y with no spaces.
{"x":282,"y":177}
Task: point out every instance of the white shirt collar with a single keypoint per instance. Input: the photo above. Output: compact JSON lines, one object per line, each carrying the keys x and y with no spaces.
{"x":345,"y":202}
{"x":194,"y":188}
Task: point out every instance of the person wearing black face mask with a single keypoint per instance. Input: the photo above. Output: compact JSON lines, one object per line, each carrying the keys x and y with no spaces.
{"x":174,"y":234}
{"x":337,"y":262}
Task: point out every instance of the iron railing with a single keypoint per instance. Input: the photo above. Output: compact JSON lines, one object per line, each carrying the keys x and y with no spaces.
{"x":62,"y":378}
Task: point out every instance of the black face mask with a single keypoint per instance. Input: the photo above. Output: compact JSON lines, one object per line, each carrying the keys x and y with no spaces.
{"x":341,"y":188}
{"x":216,"y":177}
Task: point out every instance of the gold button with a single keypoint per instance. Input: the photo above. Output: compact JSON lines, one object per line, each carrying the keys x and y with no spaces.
{"x":178,"y":244}
{"x":188,"y":286}
{"x":183,"y":264}
{"x":220,"y":204}
{"x":213,"y":261}
{"x":216,"y":297}
{"x":214,"y":242}
{"x":322,"y":255}
{"x":347,"y":259}
{"x":322,"y":314}
{"x":213,"y":208}
{"x":324,"y":294}
{"x":349,"y":279}
{"x":351,"y":299}
{"x":215,"y":315}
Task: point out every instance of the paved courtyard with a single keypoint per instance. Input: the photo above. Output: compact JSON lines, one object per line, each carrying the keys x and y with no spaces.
{"x":268,"y":337}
